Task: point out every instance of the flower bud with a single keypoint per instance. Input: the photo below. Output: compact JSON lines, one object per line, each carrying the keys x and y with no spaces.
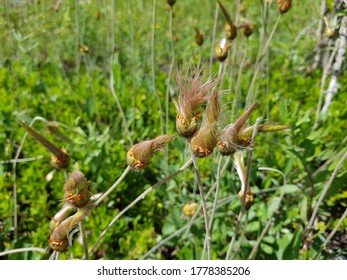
{"x":184,"y":127}
{"x":77,"y":190}
{"x":60,"y":245}
{"x":205,"y":140}
{"x":60,"y":161}
{"x":190,"y":208}
{"x":199,"y":37}
{"x":140,"y":155}
{"x":231,"y":31}
{"x":222,"y":50}
{"x":249,"y":199}
{"x":248,"y":29}
{"x":284,"y":6}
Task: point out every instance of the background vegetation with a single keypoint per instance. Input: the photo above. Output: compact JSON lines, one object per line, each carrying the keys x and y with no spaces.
{"x":55,"y":63}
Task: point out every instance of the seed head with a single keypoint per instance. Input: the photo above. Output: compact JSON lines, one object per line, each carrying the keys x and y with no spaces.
{"x":230,"y":27}
{"x":248,"y":29}
{"x":171,"y":2}
{"x":140,"y":155}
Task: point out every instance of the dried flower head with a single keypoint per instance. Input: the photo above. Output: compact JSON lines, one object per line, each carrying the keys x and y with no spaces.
{"x":58,"y":240}
{"x":60,"y":159}
{"x":238,"y":135}
{"x":140,"y":155}
{"x":193,"y":93}
{"x":190,"y":208}
{"x":222,"y":50}
{"x":60,"y":216}
{"x":77,"y":190}
{"x":284,"y":6}
{"x":205,"y":140}
{"x":248,"y":29}
{"x":199,"y":37}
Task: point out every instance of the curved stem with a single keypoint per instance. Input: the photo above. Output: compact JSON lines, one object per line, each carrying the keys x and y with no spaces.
{"x":139,"y":198}
{"x":21,"y":250}
{"x":268,"y":224}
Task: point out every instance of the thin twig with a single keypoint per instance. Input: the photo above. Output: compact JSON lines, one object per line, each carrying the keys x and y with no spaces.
{"x":243,"y":200}
{"x":21,"y":160}
{"x":153,"y":65}
{"x":324,"y":192}
{"x":203,"y":204}
{"x":21,"y":250}
{"x":214,"y":36}
{"x":330,"y":236}
{"x":84,"y":239}
{"x":139,"y":198}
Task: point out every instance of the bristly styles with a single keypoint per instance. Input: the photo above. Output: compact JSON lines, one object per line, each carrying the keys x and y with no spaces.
{"x":193,"y":93}
{"x":205,"y":140}
{"x":140,"y":155}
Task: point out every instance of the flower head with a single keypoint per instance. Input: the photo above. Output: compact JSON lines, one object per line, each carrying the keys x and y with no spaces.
{"x":77,"y":190}
{"x":140,"y":155}
{"x":193,"y":93}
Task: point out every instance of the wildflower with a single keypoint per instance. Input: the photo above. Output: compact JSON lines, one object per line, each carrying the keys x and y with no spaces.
{"x":140,"y":155}
{"x":190,"y":208}
{"x":239,"y":135}
{"x":222,"y":50}
{"x":284,"y":6}
{"x":230,"y":28}
{"x":77,"y":190}
{"x":199,"y":37}
{"x":205,"y":140}
{"x":192,"y":94}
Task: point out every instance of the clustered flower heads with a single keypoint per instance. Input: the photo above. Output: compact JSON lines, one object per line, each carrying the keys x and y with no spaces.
{"x":193,"y":93}
{"x":140,"y":155}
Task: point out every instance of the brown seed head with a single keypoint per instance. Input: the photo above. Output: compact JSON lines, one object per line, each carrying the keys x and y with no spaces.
{"x":60,"y":161}
{"x":140,"y":155}
{"x":248,"y":29}
{"x":171,"y":2}
{"x":284,"y":6}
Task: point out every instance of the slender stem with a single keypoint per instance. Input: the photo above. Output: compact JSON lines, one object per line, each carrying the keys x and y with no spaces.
{"x":331,"y":234}
{"x":241,"y":238}
{"x":268,"y":224}
{"x":139,"y":198}
{"x":153,"y":65}
{"x":21,"y":250}
{"x":250,"y":94}
{"x":21,"y":160}
{"x":84,"y":239}
{"x":324,"y":192}
{"x":219,"y":167}
{"x":170,"y":71}
{"x":203,"y":204}
{"x":111,"y":82}
{"x":120,"y":179}
{"x":14,"y":166}
{"x":243,"y":200}
{"x":214,"y":36}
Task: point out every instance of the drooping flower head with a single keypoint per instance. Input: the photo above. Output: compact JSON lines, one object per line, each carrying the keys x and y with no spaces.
{"x":77,"y":190}
{"x":205,"y":140}
{"x":140,"y":155}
